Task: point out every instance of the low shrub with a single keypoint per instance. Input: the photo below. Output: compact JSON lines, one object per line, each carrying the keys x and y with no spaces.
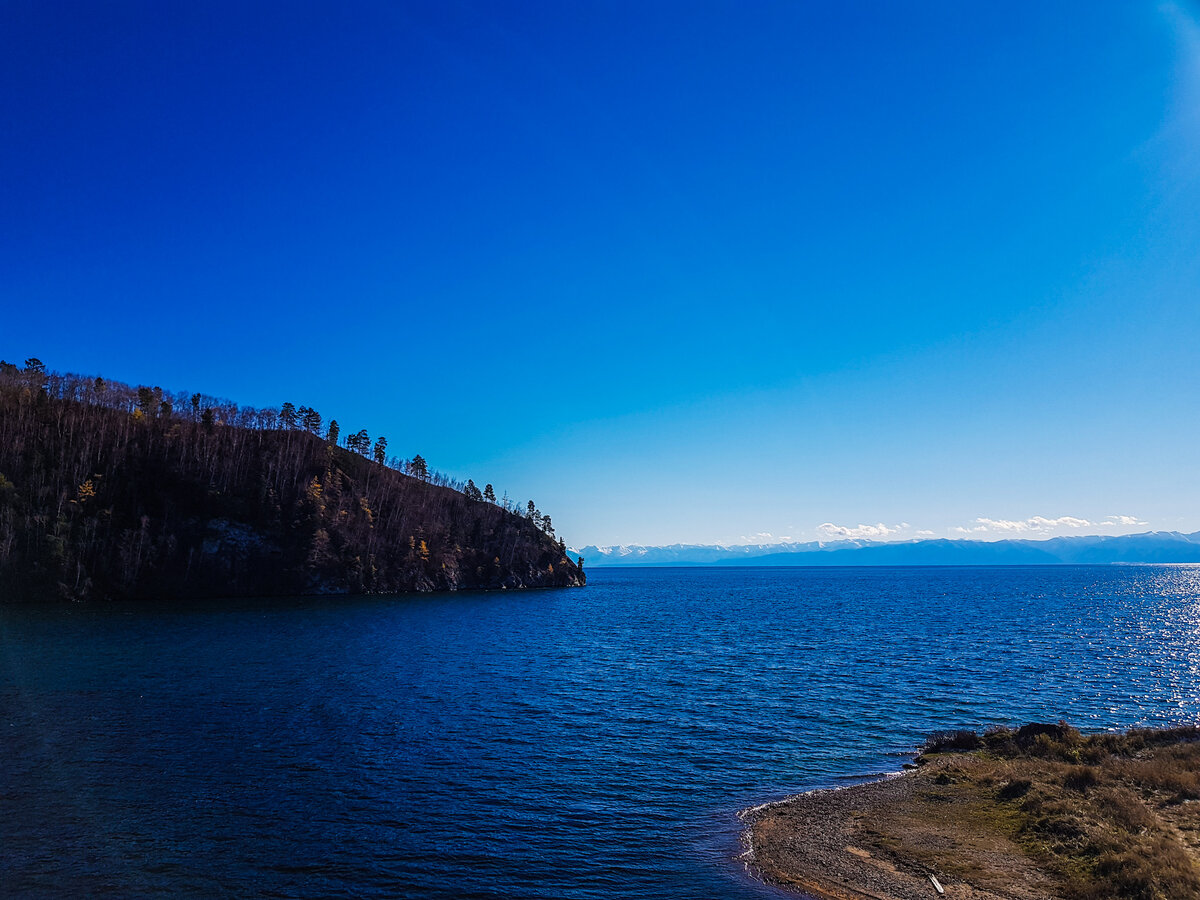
{"x":1015,"y":789}
{"x":1082,"y":778}
{"x":960,"y":741}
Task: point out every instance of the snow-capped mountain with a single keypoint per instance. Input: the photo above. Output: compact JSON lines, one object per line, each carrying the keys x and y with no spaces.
{"x":1148,"y":547}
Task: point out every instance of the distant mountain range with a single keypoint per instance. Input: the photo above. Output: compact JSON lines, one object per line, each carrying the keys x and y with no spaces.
{"x":1148,"y":547}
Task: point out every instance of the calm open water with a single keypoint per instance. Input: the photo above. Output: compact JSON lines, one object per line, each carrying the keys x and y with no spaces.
{"x":562,"y":744}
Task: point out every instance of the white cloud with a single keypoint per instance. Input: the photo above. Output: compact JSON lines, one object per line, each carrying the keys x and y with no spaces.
{"x":1036,"y":524}
{"x":828,"y":529}
{"x":1044,"y":525}
{"x":924,"y":533}
{"x":1124,"y":520}
{"x":764,"y":537}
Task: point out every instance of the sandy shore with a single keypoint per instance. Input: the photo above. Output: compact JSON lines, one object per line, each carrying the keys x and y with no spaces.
{"x":836,"y":845}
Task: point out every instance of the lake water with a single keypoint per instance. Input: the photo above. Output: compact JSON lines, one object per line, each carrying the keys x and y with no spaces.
{"x":560,"y":744}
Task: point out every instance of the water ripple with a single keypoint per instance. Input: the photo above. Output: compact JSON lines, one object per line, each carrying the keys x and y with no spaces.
{"x":593,"y":743}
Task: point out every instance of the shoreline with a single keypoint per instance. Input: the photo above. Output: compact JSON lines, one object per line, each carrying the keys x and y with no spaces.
{"x":1033,"y":813}
{"x":809,"y":843}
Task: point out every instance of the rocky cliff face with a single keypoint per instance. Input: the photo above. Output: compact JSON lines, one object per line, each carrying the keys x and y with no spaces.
{"x":98,"y":502}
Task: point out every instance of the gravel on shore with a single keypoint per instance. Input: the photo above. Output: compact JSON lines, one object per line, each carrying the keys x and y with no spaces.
{"x":825,"y":844}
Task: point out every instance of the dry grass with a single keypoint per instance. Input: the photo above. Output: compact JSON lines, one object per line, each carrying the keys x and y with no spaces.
{"x":1104,"y":816}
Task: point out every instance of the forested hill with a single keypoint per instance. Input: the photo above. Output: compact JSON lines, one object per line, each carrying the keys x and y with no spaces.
{"x":109,"y":491}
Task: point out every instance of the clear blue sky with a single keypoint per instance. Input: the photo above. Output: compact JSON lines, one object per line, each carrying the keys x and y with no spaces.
{"x":678,"y":271}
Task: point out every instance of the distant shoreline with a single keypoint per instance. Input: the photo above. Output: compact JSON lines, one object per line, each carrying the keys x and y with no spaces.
{"x":847,"y":565}
{"x":1147,"y":548}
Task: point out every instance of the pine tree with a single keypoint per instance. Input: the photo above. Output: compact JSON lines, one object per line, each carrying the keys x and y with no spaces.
{"x":489,"y":494}
{"x":35,"y":373}
{"x":312,"y":420}
{"x":360,"y":442}
{"x":145,"y":400}
{"x":381,"y":450}
{"x":418,"y":468}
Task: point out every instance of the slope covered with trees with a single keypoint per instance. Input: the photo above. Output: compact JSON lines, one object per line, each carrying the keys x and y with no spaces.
{"x":111,"y":491}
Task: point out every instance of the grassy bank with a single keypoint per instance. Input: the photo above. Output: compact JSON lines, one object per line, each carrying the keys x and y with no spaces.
{"x":1040,"y":811}
{"x":1106,"y":815}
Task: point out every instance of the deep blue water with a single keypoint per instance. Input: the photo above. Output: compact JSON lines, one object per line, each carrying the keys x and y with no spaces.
{"x":562,"y":744}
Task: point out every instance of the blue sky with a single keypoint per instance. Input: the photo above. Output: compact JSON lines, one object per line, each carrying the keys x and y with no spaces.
{"x":699,"y":272}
